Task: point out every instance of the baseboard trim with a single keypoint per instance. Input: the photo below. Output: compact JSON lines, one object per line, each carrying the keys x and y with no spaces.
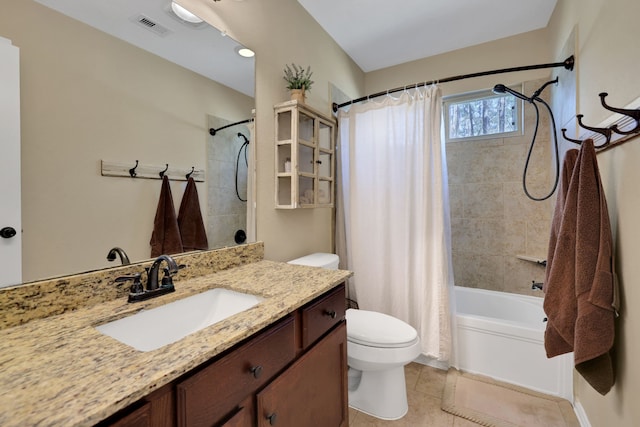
{"x":430,"y":361}
{"x":581,"y":414}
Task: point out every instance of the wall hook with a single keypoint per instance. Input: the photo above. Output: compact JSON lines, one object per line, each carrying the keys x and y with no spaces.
{"x":634,"y":114}
{"x":163,"y":172}
{"x":190,"y":173}
{"x":564,"y":135}
{"x":606,"y":132}
{"x":132,"y":171}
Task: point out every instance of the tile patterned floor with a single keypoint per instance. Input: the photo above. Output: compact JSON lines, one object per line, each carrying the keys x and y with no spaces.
{"x":424,"y":392}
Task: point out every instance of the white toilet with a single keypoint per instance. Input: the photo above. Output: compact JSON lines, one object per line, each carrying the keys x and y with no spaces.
{"x":378,"y":348}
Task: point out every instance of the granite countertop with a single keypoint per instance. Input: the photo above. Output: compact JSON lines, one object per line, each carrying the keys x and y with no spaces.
{"x":61,"y":371}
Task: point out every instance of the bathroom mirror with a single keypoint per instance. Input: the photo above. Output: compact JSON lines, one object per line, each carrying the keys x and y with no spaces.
{"x":115,"y":94}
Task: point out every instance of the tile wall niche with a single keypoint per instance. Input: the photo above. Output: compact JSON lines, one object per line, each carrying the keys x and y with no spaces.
{"x":492,"y":220}
{"x":225,"y":212}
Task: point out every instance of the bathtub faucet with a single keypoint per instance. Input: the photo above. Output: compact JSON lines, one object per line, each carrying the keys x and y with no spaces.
{"x":536,"y":285}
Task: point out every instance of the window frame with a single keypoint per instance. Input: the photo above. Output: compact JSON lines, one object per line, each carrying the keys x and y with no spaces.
{"x":479,"y":95}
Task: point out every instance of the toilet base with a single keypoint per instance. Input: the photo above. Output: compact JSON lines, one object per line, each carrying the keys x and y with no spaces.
{"x":381,"y":394}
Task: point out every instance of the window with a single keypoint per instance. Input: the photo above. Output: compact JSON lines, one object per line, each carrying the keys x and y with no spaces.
{"x":481,"y":115}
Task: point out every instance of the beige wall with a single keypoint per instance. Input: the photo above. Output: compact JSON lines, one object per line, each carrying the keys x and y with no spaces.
{"x":281,"y":32}
{"x":607,"y":55}
{"x":86,"y":96}
{"x":492,"y":220}
{"x":524,"y":49}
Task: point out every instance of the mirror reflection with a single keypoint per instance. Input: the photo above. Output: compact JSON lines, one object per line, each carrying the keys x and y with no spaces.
{"x":110,"y":89}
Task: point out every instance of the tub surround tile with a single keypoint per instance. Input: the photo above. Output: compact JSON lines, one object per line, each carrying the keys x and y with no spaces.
{"x":60,"y":370}
{"x":538,"y":233}
{"x":456,"y":200}
{"x":515,"y":236}
{"x":483,"y":236}
{"x":50,"y":297}
{"x":485,"y":200}
{"x":518,"y":204}
{"x":521,"y":273}
{"x":477,"y":169}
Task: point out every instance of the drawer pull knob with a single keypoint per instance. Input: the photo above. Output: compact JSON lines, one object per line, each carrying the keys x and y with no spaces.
{"x":272,"y":419}
{"x":331,"y":313}
{"x":256,"y":371}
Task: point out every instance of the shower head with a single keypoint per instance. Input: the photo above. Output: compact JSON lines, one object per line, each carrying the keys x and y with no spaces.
{"x":241,"y":135}
{"x":500,"y":88}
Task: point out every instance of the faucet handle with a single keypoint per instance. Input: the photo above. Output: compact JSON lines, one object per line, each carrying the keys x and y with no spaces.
{"x":167,"y":278}
{"x":136,"y":287}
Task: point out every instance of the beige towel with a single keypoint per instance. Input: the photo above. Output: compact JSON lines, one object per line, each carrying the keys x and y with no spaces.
{"x":165,"y":238}
{"x":579,"y":285}
{"x":192,"y":230}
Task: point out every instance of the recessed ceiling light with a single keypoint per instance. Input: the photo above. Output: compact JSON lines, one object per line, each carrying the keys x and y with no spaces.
{"x":244,"y":51}
{"x":184,"y":14}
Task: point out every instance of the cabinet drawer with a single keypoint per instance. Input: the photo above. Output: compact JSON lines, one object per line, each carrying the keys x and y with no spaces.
{"x":214,"y":392}
{"x":322,"y":314}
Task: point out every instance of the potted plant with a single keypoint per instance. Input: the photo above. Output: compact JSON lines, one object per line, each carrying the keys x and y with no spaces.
{"x":298,"y":80}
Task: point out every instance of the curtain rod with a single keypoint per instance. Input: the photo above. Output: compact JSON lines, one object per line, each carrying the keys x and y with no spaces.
{"x":212,"y":131}
{"x":567,"y":64}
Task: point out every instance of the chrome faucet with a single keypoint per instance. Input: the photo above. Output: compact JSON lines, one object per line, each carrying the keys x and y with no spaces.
{"x":124,"y":259}
{"x":536,"y":285}
{"x":152,"y":279}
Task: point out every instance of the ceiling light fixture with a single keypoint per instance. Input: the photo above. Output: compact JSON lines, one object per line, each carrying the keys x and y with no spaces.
{"x":184,"y":14}
{"x":245,"y":52}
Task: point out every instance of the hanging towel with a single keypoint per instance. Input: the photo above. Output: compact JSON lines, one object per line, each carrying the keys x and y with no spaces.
{"x":165,"y":238}
{"x":194,"y":235}
{"x":580,"y":296}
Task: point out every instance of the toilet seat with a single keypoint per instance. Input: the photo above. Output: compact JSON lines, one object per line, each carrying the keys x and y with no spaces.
{"x":373,"y":329}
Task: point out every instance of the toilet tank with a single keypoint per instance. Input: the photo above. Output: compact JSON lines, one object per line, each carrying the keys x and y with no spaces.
{"x":319,"y":259}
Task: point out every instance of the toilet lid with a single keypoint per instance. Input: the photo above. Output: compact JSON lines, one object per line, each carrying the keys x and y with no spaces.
{"x":378,"y":329}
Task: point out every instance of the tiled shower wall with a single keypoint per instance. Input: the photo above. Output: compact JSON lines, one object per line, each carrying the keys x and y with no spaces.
{"x":492,"y":220}
{"x":225,"y":212}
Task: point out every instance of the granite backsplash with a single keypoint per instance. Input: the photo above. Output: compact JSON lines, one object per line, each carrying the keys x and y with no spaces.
{"x":49,"y":297}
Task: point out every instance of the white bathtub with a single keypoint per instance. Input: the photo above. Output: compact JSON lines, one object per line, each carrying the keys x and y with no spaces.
{"x":501,"y":335}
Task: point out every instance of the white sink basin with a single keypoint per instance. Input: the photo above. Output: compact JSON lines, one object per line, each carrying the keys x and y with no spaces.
{"x":151,"y":329}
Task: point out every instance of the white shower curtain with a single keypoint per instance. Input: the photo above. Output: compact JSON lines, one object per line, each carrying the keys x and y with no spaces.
{"x":393,"y":213}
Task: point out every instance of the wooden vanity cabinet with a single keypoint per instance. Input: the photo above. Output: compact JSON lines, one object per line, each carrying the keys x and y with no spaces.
{"x":292,"y":373}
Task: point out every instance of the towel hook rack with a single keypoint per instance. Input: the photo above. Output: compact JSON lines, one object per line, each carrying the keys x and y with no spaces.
{"x":634,"y":114}
{"x":606,"y":132}
{"x":564,"y":135}
{"x":190,"y":173}
{"x":132,"y":171}
{"x":161,"y":173}
{"x":579,"y":141}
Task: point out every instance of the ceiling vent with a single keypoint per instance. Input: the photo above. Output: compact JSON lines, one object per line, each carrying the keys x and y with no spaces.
{"x":151,"y":25}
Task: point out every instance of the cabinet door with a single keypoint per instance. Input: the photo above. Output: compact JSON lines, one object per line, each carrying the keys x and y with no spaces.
{"x":243,"y":417}
{"x":313,"y":391}
{"x":141,"y":417}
